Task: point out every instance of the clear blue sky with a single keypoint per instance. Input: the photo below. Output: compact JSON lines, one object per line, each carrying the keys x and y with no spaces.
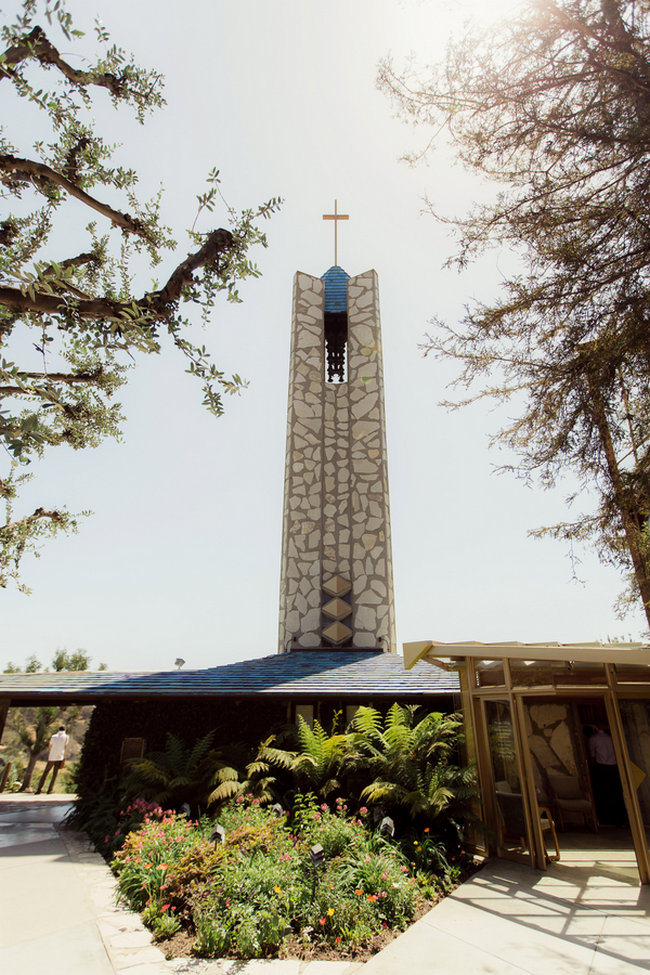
{"x":181,"y":556}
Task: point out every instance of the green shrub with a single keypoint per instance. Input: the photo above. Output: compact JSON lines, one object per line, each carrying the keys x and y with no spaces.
{"x":164,"y":926}
{"x":142,"y":864}
{"x":213,"y":936}
{"x":243,"y":896}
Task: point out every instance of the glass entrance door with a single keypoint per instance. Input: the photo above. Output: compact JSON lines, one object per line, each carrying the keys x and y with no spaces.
{"x":635,"y":719}
{"x":510,"y":818}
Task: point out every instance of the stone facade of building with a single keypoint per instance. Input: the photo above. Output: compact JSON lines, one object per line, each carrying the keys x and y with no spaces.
{"x":337,"y":576}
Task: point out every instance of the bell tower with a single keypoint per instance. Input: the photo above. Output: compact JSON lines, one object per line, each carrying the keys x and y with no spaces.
{"x":336,"y":584}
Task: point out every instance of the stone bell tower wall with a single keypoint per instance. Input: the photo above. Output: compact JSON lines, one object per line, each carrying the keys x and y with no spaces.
{"x":336,"y":528}
{"x":372,"y":557}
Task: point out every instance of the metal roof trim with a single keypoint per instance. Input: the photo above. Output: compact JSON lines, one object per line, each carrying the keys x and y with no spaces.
{"x":433,"y":651}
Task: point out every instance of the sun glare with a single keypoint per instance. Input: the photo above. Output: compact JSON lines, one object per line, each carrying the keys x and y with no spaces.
{"x":481,"y":11}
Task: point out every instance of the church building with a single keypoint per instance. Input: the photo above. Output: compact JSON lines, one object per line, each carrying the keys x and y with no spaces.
{"x":337,"y":646}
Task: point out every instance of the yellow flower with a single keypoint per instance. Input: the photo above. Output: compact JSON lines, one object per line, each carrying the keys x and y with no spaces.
{"x":330,"y":911}
{"x":277,"y":889}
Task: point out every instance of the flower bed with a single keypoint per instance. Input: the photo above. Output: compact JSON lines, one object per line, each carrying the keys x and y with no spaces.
{"x":254,"y":890}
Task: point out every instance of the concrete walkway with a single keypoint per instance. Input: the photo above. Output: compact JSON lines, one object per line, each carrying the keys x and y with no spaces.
{"x":58,"y":914}
{"x":575,"y":919}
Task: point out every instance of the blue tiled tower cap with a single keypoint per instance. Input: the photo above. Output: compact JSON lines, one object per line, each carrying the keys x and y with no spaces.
{"x":336,"y":289}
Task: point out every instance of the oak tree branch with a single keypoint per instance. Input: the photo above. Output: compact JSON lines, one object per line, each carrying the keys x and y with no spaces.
{"x":38,"y":173}
{"x":35,"y":44}
{"x":157,"y":302}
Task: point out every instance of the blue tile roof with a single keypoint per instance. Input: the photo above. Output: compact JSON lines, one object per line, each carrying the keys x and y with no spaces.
{"x":299,"y":674}
{"x":336,"y":289}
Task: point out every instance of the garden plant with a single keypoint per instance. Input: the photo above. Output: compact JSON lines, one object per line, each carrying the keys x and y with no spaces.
{"x":324,"y":844}
{"x":268,"y":882}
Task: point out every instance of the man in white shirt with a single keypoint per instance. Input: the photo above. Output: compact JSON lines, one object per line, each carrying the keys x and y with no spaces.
{"x":601,"y":748}
{"x":55,"y":758}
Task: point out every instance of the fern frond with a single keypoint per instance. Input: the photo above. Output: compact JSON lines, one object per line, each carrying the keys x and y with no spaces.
{"x":200,"y":750}
{"x":226,"y":790}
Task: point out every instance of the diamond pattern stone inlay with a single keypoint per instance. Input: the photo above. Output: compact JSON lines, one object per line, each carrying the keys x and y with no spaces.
{"x":336,"y":586}
{"x":337,"y":633}
{"x":337,"y":609}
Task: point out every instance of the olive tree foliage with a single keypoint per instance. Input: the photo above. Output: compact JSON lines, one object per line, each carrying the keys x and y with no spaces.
{"x":32,"y":728}
{"x":553,"y":107}
{"x":74,"y":317}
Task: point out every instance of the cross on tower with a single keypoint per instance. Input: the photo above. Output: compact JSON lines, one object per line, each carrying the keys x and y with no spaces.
{"x":336,"y":216}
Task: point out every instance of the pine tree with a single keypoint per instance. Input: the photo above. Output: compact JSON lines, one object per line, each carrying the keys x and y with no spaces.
{"x":553,"y":107}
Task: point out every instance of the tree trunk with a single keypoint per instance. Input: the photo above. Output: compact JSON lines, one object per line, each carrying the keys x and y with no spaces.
{"x":631,"y":517}
{"x":29,"y":771}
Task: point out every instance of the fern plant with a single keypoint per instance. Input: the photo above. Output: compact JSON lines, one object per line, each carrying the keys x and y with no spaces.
{"x":412,"y":766}
{"x":318,"y":766}
{"x":179,"y":774}
{"x":263,"y":779}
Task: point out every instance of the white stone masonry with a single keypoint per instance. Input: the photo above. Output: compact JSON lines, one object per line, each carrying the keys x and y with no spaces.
{"x":336,"y":508}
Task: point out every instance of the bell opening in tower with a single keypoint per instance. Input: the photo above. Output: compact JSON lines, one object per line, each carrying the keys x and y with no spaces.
{"x":336,"y":342}
{"x":336,"y":324}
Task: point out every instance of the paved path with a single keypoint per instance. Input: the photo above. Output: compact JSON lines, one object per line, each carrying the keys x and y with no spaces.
{"x":509,"y":920}
{"x":58,"y":915}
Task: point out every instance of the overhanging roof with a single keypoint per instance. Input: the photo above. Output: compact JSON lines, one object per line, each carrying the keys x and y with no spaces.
{"x":309,"y":674}
{"x":444,"y":654}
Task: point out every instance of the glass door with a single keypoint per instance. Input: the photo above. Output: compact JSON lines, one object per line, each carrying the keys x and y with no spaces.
{"x":635,"y":717}
{"x":508,"y":813}
{"x":628,"y":726}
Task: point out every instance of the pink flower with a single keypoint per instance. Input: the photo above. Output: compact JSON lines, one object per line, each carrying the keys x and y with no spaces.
{"x":363,"y":810}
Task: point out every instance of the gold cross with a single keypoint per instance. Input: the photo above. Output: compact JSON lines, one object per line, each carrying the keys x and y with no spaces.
{"x":336,"y":216}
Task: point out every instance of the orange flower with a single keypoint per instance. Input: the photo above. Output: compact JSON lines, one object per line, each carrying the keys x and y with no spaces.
{"x":426,"y":829}
{"x":358,"y":893}
{"x":322,"y":920}
{"x":372,"y":897}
